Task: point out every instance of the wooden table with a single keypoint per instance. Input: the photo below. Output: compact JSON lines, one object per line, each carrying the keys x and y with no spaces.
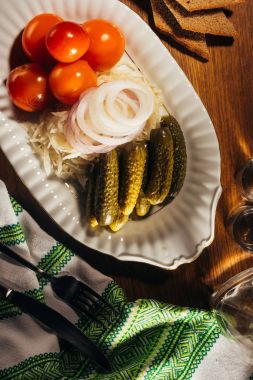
{"x":225,"y":85}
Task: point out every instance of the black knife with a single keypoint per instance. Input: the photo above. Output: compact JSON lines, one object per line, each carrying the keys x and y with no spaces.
{"x":57,"y":323}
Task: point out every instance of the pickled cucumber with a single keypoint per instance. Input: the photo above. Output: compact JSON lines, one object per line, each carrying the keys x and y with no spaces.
{"x":180,"y":156}
{"x":106,"y":188}
{"x":162,"y":161}
{"x":143,"y":206}
{"x":119,"y":222}
{"x":90,"y":201}
{"x":132,"y":168}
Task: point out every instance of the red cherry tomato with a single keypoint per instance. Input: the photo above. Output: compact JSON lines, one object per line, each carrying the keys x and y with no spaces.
{"x":67,"y":41}
{"x":68,"y":80}
{"x":33,"y":37}
{"x":107,"y":44}
{"x":27,"y":87}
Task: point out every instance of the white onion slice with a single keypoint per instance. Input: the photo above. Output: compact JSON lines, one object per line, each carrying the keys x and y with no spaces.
{"x":82,"y":144}
{"x":103,"y":123}
{"x":86,"y":127}
{"x":143,"y":94}
{"x":107,"y":116}
{"x":141,"y":115}
{"x":122,"y":99}
{"x":108,"y":125}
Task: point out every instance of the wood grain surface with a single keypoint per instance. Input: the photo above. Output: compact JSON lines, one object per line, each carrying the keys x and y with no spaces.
{"x":225,"y":85}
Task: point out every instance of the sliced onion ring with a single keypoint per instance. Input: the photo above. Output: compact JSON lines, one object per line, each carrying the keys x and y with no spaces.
{"x":86,"y":127}
{"x":107,"y":116}
{"x":82,"y":144}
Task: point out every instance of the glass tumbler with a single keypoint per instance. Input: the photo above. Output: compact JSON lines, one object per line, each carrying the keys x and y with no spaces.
{"x":244,"y":179}
{"x":233,"y":305}
{"x":240,"y":226}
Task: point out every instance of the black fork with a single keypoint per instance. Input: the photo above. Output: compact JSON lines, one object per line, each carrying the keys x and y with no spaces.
{"x":74,"y":292}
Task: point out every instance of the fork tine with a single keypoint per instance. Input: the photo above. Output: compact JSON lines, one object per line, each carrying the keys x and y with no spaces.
{"x":84,"y":310}
{"x":83,"y":295}
{"x":86,"y":288}
{"x":83,"y":300}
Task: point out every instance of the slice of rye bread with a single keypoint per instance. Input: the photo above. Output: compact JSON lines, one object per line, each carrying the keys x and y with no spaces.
{"x":198,"y":5}
{"x":207,"y":22}
{"x":167,"y":25}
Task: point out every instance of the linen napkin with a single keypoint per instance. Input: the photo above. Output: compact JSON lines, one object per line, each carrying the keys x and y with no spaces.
{"x":150,"y":340}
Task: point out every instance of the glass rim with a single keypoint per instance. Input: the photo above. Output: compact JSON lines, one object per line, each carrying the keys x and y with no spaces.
{"x":227,"y":285}
{"x":236,"y":216}
{"x":246,"y":194}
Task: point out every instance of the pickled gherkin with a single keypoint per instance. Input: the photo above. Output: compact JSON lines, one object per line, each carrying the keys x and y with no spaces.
{"x":162,"y":161}
{"x":90,"y":201}
{"x":143,"y":206}
{"x":106,"y":188}
{"x":119,"y":222}
{"x":180,"y":156}
{"x":137,"y":176}
{"x":133,"y":161}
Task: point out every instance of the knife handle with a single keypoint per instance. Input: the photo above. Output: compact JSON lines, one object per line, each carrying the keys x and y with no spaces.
{"x":58,"y":324}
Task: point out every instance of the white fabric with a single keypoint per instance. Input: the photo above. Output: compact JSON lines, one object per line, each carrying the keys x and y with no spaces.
{"x":225,"y":361}
{"x":22,"y":336}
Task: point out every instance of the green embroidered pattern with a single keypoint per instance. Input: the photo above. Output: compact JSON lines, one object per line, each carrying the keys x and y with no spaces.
{"x":12,"y":234}
{"x":169,"y":344}
{"x":8,"y":310}
{"x":44,"y":366}
{"x":149,"y":340}
{"x":158,"y":342}
{"x":16,"y":206}
{"x":35,"y":293}
{"x":187,"y":348}
{"x":54,"y":261}
{"x":97,"y":333}
{"x":205,"y":343}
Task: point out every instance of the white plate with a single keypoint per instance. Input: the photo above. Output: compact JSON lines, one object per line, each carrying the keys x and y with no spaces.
{"x":179,"y":232}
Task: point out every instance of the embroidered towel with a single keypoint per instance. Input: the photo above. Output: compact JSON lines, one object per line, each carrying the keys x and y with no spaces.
{"x":151,"y":339}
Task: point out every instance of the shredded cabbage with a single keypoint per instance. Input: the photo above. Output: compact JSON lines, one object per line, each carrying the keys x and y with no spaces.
{"x":48,"y":140}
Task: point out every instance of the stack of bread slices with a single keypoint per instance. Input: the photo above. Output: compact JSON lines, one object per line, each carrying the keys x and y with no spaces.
{"x":188,"y":22}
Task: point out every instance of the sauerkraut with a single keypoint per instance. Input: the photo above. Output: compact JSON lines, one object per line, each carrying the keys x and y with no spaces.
{"x":47,"y":138}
